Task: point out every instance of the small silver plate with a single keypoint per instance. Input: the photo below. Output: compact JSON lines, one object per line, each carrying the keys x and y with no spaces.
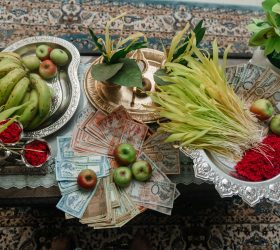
{"x":65,"y":86}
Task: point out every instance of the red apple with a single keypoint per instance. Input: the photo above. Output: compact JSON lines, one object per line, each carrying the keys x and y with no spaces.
{"x":87,"y":179}
{"x":125,"y":154}
{"x":263,"y":109}
{"x":47,"y":69}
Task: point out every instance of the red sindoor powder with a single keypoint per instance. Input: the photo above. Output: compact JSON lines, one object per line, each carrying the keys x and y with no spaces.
{"x":11,"y":134}
{"x":35,"y":158}
{"x":254,"y":166}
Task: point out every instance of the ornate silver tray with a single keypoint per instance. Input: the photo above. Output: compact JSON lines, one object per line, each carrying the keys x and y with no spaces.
{"x":251,"y":82}
{"x":65,"y":85}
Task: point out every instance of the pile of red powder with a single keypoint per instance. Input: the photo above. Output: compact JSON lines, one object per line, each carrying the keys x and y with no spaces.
{"x":254,"y":166}
{"x":11,"y":134}
{"x":36,"y":158}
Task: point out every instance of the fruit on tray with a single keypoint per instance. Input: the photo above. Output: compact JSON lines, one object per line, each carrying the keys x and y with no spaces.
{"x":43,"y":52}
{"x":59,"y":57}
{"x":122,"y":176}
{"x":47,"y":69}
{"x":141,"y":170}
{"x":24,"y":94}
{"x":125,"y":154}
{"x":87,"y":179}
{"x":263,"y":109}
{"x":275,"y":124}
{"x":31,"y":62}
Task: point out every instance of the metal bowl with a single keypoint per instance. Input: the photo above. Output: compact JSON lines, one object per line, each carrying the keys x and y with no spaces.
{"x":65,"y":85}
{"x":252,"y":82}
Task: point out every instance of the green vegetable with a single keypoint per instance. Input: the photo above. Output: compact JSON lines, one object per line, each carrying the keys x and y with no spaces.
{"x":203,"y":110}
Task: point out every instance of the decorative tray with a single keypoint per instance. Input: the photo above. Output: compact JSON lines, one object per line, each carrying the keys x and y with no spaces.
{"x":65,"y":85}
{"x":149,"y":60}
{"x":251,"y":82}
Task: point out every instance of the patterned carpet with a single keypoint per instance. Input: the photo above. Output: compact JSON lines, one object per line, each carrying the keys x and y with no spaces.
{"x":227,"y":224}
{"x":159,"y":20}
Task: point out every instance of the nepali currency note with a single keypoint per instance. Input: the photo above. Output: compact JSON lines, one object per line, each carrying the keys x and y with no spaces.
{"x":134,"y":133}
{"x":75,"y":203}
{"x":69,"y":171}
{"x":158,"y":193}
{"x":67,"y":187}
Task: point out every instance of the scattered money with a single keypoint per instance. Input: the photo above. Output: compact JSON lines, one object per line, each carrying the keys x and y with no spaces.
{"x":91,"y":147}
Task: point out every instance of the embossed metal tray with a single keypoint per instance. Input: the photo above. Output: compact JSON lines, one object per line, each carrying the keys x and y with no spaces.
{"x":149,"y":60}
{"x":252,"y":82}
{"x":65,"y":85}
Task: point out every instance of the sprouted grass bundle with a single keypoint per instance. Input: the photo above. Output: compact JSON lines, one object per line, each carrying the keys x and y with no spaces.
{"x":202,"y":109}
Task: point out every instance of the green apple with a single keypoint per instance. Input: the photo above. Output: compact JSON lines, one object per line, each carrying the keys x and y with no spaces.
{"x":122,"y":176}
{"x":263,"y":109}
{"x":125,"y":154}
{"x":142,"y":170}
{"x":31,"y":62}
{"x":43,"y":52}
{"x":59,"y":57}
{"x":275,"y":124}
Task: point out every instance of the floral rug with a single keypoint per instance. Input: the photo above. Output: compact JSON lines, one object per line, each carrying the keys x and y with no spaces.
{"x":226,"y":224}
{"x":159,"y":20}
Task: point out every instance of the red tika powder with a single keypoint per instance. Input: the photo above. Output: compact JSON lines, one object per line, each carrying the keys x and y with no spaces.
{"x":254,"y":166}
{"x":36,"y":158}
{"x":11,"y":134}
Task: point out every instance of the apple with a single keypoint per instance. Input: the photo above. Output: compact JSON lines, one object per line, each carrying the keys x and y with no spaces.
{"x":141,"y":170}
{"x":47,"y":69}
{"x":59,"y":57}
{"x":31,"y":62}
{"x":122,"y":176}
{"x":43,"y":52}
{"x":125,"y":154}
{"x":263,"y":109}
{"x":275,"y":124}
{"x":87,"y":179}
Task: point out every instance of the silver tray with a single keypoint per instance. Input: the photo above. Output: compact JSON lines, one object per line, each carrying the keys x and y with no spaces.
{"x":251,"y":82}
{"x":65,"y":85}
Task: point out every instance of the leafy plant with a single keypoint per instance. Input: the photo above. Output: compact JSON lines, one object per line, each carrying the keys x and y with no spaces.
{"x":266,"y":33}
{"x":179,"y":48}
{"x":115,"y":68}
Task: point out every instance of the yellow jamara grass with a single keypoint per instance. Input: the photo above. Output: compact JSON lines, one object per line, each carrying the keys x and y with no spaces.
{"x":202,"y":109}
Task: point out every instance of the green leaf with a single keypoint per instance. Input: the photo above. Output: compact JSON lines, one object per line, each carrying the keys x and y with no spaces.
{"x":95,"y":40}
{"x":157,"y":77}
{"x":277,"y":45}
{"x":268,"y":4}
{"x":271,"y":19}
{"x":123,"y":52}
{"x":269,"y":46}
{"x":130,"y":75}
{"x":276,"y":8}
{"x":277,"y":31}
{"x":257,"y":21}
{"x":103,"y":72}
{"x":260,"y":37}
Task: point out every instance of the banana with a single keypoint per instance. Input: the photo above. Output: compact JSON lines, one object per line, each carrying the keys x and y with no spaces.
{"x":45,"y":99}
{"x":8,"y":82}
{"x":18,"y":93}
{"x":9,"y":54}
{"x":25,"y":99}
{"x":7,"y":113}
{"x":6,"y":66}
{"x":30,"y":111}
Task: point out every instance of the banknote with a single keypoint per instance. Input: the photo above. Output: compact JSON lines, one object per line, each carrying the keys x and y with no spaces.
{"x":160,"y":209}
{"x":134,"y":133}
{"x":158,"y":139}
{"x":67,"y":187}
{"x":75,"y":203}
{"x":158,"y":193}
{"x":69,"y":171}
{"x":168,"y":161}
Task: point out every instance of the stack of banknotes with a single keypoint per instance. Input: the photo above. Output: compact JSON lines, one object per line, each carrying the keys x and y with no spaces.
{"x":92,"y":146}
